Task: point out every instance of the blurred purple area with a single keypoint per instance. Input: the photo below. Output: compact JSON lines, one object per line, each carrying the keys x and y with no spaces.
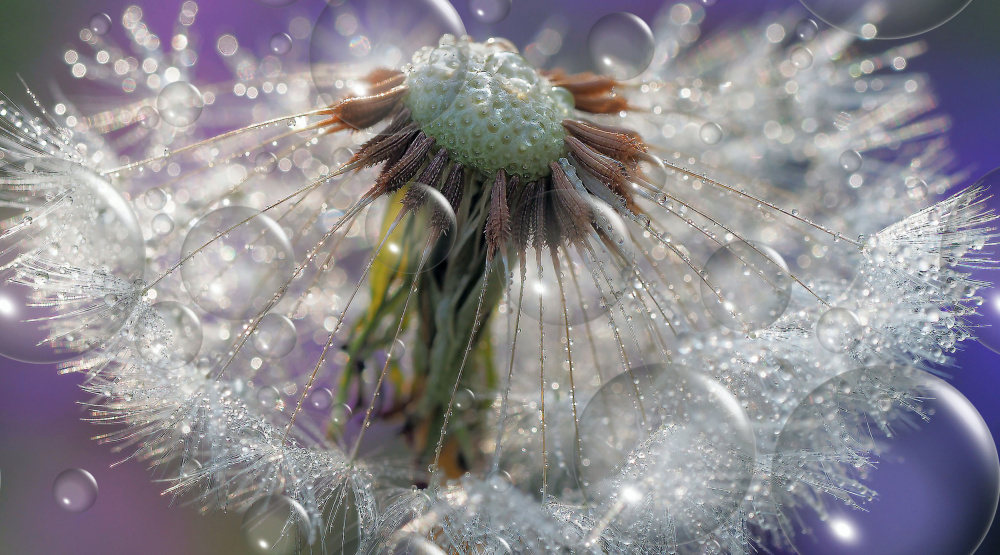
{"x":41,"y":432}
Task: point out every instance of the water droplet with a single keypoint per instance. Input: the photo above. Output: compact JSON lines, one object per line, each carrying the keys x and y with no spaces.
{"x":269,"y":397}
{"x":894,"y":19}
{"x":241,"y":270}
{"x":916,"y":188}
{"x":340,"y":414}
{"x":265,"y":162}
{"x":275,"y":526}
{"x":801,"y":57}
{"x":753,"y":282}
{"x":275,"y":336}
{"x":403,"y":248}
{"x":100,"y":23}
{"x":321,"y":398}
{"x":489,"y":11}
{"x":806,"y":29}
{"x":180,"y":104}
{"x":710,"y":133}
{"x":839,"y":330}
{"x":162,"y":224}
{"x":155,"y":198}
{"x":75,"y":490}
{"x":148,"y":117}
{"x":621,"y":45}
{"x":170,"y":337}
{"x":280,"y":43}
{"x":850,"y":160}
{"x":499,"y":480}
{"x":464,"y":399}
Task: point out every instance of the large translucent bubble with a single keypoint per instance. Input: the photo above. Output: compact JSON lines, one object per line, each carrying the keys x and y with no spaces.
{"x":746,"y":286}
{"x":665,"y":451}
{"x":887,"y":460}
{"x":885,"y":19}
{"x":239,"y":270}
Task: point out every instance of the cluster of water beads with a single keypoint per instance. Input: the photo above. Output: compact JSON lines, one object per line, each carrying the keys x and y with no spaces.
{"x":746,"y":286}
{"x":903,"y":433}
{"x":621,"y":45}
{"x":489,"y":11}
{"x":75,"y":490}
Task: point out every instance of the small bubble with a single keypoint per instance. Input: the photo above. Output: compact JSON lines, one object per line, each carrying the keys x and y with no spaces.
{"x":275,"y":336}
{"x":269,"y":396}
{"x":806,"y":30}
{"x":155,"y":198}
{"x":801,"y":57}
{"x":280,"y":43}
{"x":340,"y":414}
{"x":489,"y":11}
{"x":265,"y":162}
{"x":75,"y":490}
{"x":170,"y":337}
{"x":499,"y":480}
{"x":180,"y":104}
{"x":162,"y":224}
{"x":621,"y":45}
{"x":100,"y":23}
{"x":464,"y":399}
{"x":710,"y":133}
{"x":850,"y":160}
{"x":275,"y":526}
{"x":148,"y":117}
{"x":321,"y":398}
{"x":839,"y":330}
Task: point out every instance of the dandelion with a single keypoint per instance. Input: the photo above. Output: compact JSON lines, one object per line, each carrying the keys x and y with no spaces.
{"x":452,"y":302}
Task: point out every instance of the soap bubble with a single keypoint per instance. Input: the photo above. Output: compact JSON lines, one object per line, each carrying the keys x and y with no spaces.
{"x":280,"y":43}
{"x":621,"y":45}
{"x":75,"y":490}
{"x":894,"y":445}
{"x":839,"y":330}
{"x":662,"y":440}
{"x":275,"y":336}
{"x":241,"y":270}
{"x":489,"y":11}
{"x":886,"y":19}
{"x":155,"y":198}
{"x":172,"y":338}
{"x":275,"y":525}
{"x":806,"y":29}
{"x":148,"y":117}
{"x":850,"y":160}
{"x":753,"y":282}
{"x":180,"y":104}
{"x":800,"y":57}
{"x":710,"y":133}
{"x":100,"y":23}
{"x":403,"y":249}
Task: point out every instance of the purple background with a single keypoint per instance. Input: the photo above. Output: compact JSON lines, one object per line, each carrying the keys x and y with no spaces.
{"x":40,"y":429}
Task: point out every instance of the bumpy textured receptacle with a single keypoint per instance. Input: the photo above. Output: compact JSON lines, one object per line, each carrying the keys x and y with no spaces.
{"x":488,"y":106}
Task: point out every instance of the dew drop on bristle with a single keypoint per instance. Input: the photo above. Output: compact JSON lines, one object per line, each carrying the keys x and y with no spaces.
{"x":800,"y":57}
{"x":236,"y":276}
{"x":665,"y":440}
{"x":75,"y":490}
{"x":354,"y":36}
{"x":162,"y":224}
{"x":924,"y":446}
{"x":100,"y":23}
{"x":806,"y":30}
{"x":180,"y":104}
{"x":171,"y":339}
{"x":280,"y":43}
{"x":850,"y":161}
{"x":892,"y":19}
{"x":710,"y":133}
{"x":839,"y":330}
{"x":155,"y":198}
{"x":275,"y":336}
{"x":621,"y":45}
{"x":148,"y":117}
{"x":489,"y":11}
{"x":320,"y":399}
{"x":753,"y":282}
{"x":275,"y":525}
